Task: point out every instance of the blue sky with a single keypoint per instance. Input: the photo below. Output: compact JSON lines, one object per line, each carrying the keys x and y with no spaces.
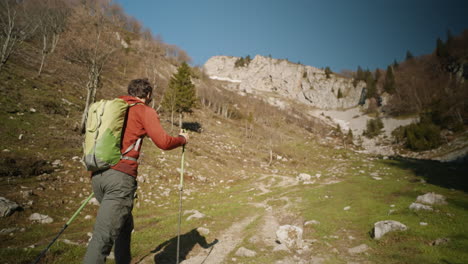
{"x":340,"y":34}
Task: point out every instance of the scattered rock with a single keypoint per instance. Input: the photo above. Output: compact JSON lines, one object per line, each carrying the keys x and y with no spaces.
{"x":290,"y":235}
{"x":6,"y":231}
{"x":26,"y":194}
{"x":440,"y":241}
{"x":7,"y":207}
{"x":383,"y":227}
{"x":423,"y":223}
{"x":42,"y":219}
{"x":347,"y":208}
{"x":280,"y":247}
{"x":57,"y":163}
{"x":377,"y":178}
{"x":418,"y":206}
{"x":311,"y":222}
{"x":358,"y":250}
{"x":69,"y":242}
{"x":87,"y":217}
{"x":203,"y":231}
{"x":431,"y":198}
{"x":32,"y":110}
{"x":243,"y":252}
{"x":303,"y":177}
{"x":94,"y":201}
{"x":195,"y":214}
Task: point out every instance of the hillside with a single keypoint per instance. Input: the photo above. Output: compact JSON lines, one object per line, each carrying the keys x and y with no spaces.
{"x":251,"y":168}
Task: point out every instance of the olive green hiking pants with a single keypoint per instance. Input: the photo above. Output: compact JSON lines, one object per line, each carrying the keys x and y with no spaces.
{"x":114,"y":222}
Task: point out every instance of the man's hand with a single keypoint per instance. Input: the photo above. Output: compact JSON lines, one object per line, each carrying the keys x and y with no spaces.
{"x":184,"y":134}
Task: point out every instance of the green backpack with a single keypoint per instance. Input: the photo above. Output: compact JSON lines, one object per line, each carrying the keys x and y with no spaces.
{"x":103,"y":136}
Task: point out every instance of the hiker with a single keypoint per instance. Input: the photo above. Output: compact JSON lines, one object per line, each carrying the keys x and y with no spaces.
{"x":115,"y":187}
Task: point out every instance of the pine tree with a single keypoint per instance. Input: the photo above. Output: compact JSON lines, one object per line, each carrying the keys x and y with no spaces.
{"x":409,"y":55}
{"x":328,"y":72}
{"x":377,"y":75}
{"x":180,"y":95}
{"x":371,"y":87}
{"x":441,"y":49}
{"x":389,"y":84}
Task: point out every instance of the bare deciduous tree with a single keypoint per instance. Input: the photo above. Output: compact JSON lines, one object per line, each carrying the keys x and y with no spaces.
{"x":15,"y":27}
{"x":92,"y":41}
{"x":51,"y":18}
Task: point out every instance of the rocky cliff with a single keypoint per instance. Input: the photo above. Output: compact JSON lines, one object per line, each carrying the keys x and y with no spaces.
{"x":295,"y":81}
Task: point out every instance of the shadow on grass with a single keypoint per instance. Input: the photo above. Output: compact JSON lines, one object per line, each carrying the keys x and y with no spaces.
{"x":166,"y":253}
{"x":444,"y":174}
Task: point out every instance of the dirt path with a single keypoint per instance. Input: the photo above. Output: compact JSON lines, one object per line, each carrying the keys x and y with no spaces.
{"x":227,"y":242}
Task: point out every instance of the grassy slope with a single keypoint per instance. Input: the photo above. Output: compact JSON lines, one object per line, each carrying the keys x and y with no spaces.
{"x":233,"y":167}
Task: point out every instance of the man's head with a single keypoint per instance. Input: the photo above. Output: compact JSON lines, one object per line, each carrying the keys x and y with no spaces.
{"x":140,"y":88}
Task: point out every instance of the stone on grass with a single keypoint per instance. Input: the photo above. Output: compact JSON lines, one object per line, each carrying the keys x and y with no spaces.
{"x":383,"y":227}
{"x":431,"y":198}
{"x":347,"y":208}
{"x":203,"y":231}
{"x":195,"y":214}
{"x":7,"y":207}
{"x":312,"y":222}
{"x":243,"y":252}
{"x":290,"y":235}
{"x":358,"y":249}
{"x":303,"y":177}
{"x":93,"y":201}
{"x":42,"y":219}
{"x":418,"y":206}
{"x":440,"y":241}
{"x":280,"y":247}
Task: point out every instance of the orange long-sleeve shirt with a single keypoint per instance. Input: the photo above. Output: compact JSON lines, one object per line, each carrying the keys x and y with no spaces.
{"x":143,"y":120}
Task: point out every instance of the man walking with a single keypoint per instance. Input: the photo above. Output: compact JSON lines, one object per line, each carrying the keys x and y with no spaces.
{"x":114,"y":188}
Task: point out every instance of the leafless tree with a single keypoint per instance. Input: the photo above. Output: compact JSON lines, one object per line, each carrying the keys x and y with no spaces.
{"x":93,"y":41}
{"x":15,"y":27}
{"x":52,"y":17}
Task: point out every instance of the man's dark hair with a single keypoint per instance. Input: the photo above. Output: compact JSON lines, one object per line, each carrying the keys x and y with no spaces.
{"x":139,"y":88}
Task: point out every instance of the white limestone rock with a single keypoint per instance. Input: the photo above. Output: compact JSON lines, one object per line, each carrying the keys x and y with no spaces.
{"x":7,"y":207}
{"x":431,"y":198}
{"x":383,"y":227}
{"x":418,"y":206}
{"x":42,"y":219}
{"x":290,"y":235}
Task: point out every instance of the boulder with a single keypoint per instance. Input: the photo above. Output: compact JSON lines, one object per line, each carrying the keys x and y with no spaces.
{"x":243,"y":252}
{"x":290,"y":235}
{"x":42,"y":219}
{"x":7,"y":207}
{"x":383,"y":227}
{"x":418,"y":206}
{"x":431,"y":198}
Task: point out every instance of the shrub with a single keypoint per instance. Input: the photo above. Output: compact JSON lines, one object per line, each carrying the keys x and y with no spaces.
{"x":419,"y":136}
{"x":422,"y":136}
{"x":373,"y":127}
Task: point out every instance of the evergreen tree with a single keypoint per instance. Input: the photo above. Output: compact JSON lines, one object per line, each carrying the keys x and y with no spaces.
{"x":395,"y":64}
{"x":371,"y":87}
{"x":328,"y":72}
{"x":441,"y":49}
{"x":180,"y":95}
{"x":359,"y":74}
{"x":389,"y":84}
{"x":409,"y":55}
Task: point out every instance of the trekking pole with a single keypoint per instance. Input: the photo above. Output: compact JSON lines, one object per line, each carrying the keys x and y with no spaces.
{"x":63,"y":228}
{"x":181,"y":187}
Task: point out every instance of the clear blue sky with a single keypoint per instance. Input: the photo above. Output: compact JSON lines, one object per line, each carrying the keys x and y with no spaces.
{"x":340,"y":34}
